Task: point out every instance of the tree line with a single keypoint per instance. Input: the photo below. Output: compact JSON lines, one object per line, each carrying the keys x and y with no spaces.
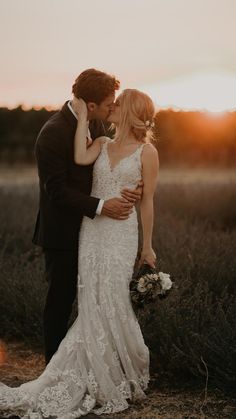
{"x":182,"y":138}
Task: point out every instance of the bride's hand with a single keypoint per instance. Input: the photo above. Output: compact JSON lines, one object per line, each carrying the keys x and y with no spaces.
{"x":148,"y":256}
{"x":80,"y":108}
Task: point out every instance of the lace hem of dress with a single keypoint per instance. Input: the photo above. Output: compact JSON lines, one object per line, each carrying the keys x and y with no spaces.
{"x":57,"y":408}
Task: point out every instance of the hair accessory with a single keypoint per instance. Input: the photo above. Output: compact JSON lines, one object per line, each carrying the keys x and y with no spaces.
{"x":149,"y":124}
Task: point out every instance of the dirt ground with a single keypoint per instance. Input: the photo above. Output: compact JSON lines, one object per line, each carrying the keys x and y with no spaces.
{"x":19,"y":364}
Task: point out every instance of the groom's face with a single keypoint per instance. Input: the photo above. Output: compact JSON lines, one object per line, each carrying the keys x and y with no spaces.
{"x":103,"y":110}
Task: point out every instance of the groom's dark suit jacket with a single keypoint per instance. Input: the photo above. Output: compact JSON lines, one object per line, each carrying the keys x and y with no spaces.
{"x":64,"y":186}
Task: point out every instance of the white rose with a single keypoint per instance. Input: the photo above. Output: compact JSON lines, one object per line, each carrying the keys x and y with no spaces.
{"x":166,"y":282}
{"x":141,"y":288}
{"x":141,"y":281}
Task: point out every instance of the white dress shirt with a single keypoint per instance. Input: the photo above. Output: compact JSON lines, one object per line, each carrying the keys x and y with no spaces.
{"x":101,"y":202}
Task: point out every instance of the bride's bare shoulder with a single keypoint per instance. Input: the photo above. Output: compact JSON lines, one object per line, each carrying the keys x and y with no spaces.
{"x":149,"y":150}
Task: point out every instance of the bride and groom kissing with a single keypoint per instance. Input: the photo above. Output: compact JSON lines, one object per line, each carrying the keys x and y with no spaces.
{"x":88,"y":229}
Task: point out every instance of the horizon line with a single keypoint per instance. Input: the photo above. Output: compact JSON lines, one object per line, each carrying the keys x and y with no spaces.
{"x":51,"y":108}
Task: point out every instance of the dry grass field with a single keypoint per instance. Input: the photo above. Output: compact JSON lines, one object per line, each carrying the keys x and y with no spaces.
{"x":191,"y":334}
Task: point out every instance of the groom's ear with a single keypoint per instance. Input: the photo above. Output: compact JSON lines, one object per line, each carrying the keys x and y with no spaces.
{"x":91,"y":106}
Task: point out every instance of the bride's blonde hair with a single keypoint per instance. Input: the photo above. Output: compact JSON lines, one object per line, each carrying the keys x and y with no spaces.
{"x":137,"y":115}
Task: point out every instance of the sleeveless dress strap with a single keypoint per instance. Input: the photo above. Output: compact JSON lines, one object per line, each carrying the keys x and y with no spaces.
{"x":141,"y":147}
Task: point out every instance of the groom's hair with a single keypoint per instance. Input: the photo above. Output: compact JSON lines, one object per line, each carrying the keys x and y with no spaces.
{"x":94,"y":86}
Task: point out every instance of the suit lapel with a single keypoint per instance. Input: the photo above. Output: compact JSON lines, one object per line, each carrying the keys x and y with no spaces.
{"x":68,"y":115}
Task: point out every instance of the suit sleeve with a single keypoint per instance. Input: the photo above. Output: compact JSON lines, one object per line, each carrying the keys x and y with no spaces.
{"x":52,"y":167}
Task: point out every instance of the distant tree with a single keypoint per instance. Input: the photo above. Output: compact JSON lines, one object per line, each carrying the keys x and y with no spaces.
{"x":18,"y":131}
{"x":182,"y":138}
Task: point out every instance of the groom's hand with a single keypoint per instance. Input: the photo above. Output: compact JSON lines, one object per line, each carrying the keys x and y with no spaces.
{"x":118,"y":208}
{"x":133,"y":195}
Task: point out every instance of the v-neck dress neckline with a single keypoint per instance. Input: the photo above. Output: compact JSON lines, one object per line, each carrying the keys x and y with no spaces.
{"x":112,"y":168}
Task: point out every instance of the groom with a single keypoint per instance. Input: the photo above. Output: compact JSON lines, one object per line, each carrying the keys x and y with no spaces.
{"x":65,"y":198}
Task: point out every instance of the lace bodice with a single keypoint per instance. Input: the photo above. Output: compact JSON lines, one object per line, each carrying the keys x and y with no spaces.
{"x":107,"y":181}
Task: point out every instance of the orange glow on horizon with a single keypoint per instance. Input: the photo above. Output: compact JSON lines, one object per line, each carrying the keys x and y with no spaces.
{"x":213,"y":93}
{"x":27,"y":107}
{"x":209,"y":92}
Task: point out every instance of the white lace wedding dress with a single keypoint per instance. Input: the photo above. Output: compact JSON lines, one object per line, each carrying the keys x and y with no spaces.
{"x":103,"y":360}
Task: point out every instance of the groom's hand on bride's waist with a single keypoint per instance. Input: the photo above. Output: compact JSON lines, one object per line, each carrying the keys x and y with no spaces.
{"x":118,"y":208}
{"x":133,"y":195}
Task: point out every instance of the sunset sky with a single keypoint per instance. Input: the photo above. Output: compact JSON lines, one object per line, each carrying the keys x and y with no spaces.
{"x":182,"y":52}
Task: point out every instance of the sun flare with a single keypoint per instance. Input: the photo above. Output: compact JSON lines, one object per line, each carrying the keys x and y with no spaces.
{"x":214,"y":92}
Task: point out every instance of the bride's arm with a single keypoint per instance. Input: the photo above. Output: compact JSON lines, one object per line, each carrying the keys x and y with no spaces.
{"x":83,"y":154}
{"x":150,"y":164}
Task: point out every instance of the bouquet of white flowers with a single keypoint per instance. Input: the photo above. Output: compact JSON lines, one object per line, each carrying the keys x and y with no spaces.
{"x":147,"y":285}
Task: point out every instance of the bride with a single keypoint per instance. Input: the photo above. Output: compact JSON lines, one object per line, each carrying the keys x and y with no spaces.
{"x":103,"y":361}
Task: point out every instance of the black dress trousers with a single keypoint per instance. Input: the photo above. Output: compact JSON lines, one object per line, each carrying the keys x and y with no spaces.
{"x":61,"y":274}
